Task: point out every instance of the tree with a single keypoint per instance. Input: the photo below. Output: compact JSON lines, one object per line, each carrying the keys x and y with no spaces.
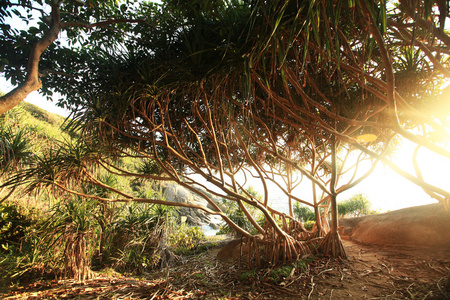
{"x":355,"y":206}
{"x":24,"y":60}
{"x":304,"y":213}
{"x":217,"y":91}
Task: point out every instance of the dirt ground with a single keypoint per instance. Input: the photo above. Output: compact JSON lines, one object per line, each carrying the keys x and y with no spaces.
{"x":372,"y":272}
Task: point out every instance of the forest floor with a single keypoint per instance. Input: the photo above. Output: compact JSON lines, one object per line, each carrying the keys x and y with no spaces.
{"x":371,"y":272}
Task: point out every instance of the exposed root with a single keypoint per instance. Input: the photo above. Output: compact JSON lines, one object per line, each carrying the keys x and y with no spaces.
{"x":289,"y":246}
{"x":332,"y":245}
{"x":273,"y":247}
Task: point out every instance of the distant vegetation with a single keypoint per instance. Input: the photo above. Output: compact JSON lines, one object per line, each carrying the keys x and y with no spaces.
{"x":237,"y":215}
{"x":355,"y":206}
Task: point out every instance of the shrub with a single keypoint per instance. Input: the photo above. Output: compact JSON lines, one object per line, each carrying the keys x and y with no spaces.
{"x":303,"y":213}
{"x":136,"y":239}
{"x":236,"y":214}
{"x":69,"y":237}
{"x":14,"y":221}
{"x":357,"y":205}
{"x":18,"y":244}
{"x":309,"y":224}
{"x":185,"y":238}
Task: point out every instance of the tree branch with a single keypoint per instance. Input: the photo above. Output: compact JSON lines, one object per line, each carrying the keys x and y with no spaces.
{"x":32,"y":81}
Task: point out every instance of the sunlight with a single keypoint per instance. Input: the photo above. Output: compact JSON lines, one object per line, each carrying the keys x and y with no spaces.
{"x":388,"y":190}
{"x":366,"y":138}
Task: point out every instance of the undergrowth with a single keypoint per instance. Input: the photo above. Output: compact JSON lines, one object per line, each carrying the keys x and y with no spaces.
{"x":69,"y":241}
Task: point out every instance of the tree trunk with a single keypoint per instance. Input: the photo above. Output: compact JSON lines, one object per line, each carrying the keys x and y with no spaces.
{"x":332,"y":243}
{"x":289,"y":189}
{"x":320,"y":231}
{"x":32,"y":81}
{"x":13,"y":98}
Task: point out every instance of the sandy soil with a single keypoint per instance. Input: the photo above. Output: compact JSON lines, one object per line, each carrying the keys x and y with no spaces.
{"x":372,"y":272}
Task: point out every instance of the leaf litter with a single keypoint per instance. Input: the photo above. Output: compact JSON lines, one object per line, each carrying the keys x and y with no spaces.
{"x":372,"y":272}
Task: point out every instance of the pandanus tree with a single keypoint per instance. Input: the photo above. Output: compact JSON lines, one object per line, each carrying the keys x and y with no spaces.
{"x":346,"y":88}
{"x":218,"y":87}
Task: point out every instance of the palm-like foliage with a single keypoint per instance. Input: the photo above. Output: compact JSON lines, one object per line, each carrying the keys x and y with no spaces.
{"x":137,"y":241}
{"x":67,"y":164}
{"x":15,"y":152}
{"x":70,"y":233}
{"x":15,"y":147}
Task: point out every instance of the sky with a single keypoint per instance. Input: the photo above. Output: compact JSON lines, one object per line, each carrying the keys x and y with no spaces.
{"x":387,"y":190}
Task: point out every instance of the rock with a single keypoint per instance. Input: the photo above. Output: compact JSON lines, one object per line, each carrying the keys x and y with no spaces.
{"x":214,"y":226}
{"x":195,"y":221}
{"x":427,"y":225}
{"x":234,"y":248}
{"x":214,"y":198}
{"x":177,"y":193}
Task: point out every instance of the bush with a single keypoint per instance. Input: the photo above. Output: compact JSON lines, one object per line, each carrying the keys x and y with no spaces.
{"x":18,"y":244}
{"x":14,"y":221}
{"x":236,"y":214}
{"x":309,"y":224}
{"x":69,"y":237}
{"x":136,"y":240}
{"x":185,"y":238}
{"x":68,"y":242}
{"x":304,"y":213}
{"x":357,"y":205}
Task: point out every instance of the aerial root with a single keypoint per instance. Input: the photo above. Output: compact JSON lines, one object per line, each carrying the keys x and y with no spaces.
{"x":275,"y":246}
{"x":332,"y":245}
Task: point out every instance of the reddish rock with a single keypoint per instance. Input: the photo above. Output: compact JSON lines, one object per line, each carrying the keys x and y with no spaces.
{"x":427,"y":225}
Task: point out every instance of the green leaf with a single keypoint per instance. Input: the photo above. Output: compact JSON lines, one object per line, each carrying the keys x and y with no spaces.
{"x":382,"y":16}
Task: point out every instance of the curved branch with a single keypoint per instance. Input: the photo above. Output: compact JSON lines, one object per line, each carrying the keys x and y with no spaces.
{"x":424,"y":185}
{"x":424,"y":24}
{"x":32,"y":82}
{"x":420,"y":176}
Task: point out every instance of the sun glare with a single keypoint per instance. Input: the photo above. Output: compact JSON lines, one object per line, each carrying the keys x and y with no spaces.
{"x":366,"y":138}
{"x":388,"y":190}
